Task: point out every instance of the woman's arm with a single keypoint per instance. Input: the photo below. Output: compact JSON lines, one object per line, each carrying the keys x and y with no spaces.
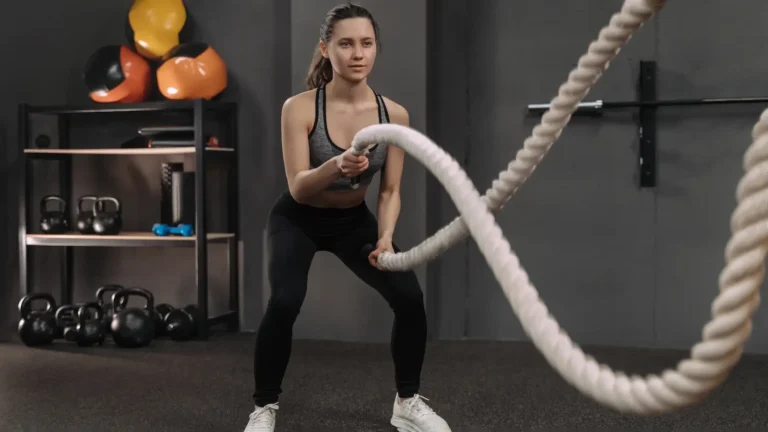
{"x":389,"y":190}
{"x":303,"y":182}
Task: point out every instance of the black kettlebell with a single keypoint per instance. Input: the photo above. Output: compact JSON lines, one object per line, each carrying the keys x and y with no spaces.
{"x":66,"y":321}
{"x":37,"y":327}
{"x":106,"y":306}
{"x":85,"y":216}
{"x":133,"y":327}
{"x":107,"y":222}
{"x":90,"y":327}
{"x":161,"y":311}
{"x":181,"y":324}
{"x":53,"y":221}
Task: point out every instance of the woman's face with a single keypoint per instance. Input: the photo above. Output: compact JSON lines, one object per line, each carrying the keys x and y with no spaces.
{"x":352,"y":48}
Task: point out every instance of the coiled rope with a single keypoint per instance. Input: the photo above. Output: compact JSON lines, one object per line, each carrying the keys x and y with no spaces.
{"x":724,"y":336}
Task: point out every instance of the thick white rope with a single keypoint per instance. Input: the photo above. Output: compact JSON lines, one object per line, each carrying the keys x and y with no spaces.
{"x":724,"y":336}
{"x":633,"y":14}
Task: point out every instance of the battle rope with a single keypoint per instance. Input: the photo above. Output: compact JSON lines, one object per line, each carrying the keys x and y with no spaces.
{"x":723,"y":337}
{"x":633,"y":14}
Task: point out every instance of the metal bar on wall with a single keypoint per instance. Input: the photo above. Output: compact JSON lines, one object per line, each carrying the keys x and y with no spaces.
{"x":647,"y":105}
{"x":600,"y":105}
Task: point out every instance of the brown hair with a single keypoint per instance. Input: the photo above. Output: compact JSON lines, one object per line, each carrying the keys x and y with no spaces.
{"x":320,"y":70}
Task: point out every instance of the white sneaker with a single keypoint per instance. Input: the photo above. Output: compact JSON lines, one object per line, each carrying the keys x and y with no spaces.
{"x":262,"y":419}
{"x":414,"y":415}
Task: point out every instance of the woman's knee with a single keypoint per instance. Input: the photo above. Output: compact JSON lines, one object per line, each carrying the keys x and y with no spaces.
{"x":284,"y":306}
{"x":408,"y":295}
{"x":288,"y":291}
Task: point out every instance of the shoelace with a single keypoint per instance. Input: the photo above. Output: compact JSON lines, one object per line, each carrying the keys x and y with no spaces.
{"x":259,"y":418}
{"x":417,"y":406}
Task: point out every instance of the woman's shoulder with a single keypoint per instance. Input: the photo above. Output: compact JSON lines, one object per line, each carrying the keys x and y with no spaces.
{"x":301,"y":105}
{"x":301,"y":99}
{"x":397,"y":113}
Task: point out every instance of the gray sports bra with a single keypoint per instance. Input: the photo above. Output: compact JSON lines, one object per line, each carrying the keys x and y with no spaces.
{"x":322,"y":148}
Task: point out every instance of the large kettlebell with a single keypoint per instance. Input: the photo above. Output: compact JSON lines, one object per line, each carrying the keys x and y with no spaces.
{"x":106,"y":306}
{"x":133,"y":327}
{"x":90,"y":327}
{"x":107,"y":222}
{"x":37,"y":327}
{"x":85,"y":216}
{"x":53,"y":221}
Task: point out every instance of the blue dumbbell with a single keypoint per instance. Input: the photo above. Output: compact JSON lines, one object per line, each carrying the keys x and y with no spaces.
{"x":184,"y":230}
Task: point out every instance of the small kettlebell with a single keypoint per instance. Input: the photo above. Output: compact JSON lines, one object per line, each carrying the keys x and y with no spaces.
{"x":37,"y":327}
{"x":181,"y":324}
{"x":106,"y":306}
{"x":53,"y":221}
{"x":107,"y":222}
{"x":85,"y":216}
{"x":66,"y":321}
{"x":158,"y":315}
{"x":90,"y":327}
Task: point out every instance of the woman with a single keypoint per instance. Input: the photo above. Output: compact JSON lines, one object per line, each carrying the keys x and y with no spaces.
{"x":324,"y":209}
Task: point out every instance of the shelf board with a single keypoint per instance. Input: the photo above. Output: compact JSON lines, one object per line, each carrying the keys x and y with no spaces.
{"x":152,"y":106}
{"x":128,"y":151}
{"x":125,"y":239}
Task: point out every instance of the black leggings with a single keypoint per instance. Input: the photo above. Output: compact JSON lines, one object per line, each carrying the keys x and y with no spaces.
{"x":295,"y":232}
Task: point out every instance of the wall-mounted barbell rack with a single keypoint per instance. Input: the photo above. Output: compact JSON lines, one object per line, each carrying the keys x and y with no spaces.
{"x":647,"y":105}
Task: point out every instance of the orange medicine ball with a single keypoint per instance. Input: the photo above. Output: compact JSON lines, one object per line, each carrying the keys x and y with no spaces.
{"x":192,"y":71}
{"x":114,"y":73}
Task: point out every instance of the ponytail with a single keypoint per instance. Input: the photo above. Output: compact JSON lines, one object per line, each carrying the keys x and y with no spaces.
{"x":320,"y":70}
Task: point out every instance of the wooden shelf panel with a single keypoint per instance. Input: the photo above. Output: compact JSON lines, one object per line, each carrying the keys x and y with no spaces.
{"x":149,"y":106}
{"x":125,"y":239}
{"x":132,"y":151}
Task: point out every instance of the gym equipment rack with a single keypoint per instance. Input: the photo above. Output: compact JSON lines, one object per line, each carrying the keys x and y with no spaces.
{"x":200,"y":111}
{"x":646,"y":106}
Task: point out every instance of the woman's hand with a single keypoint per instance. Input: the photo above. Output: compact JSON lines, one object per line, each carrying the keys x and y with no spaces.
{"x":351,"y":165}
{"x":383,"y":245}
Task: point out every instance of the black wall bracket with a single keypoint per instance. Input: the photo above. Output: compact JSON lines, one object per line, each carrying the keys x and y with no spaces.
{"x":646,"y":105}
{"x":646,"y":87}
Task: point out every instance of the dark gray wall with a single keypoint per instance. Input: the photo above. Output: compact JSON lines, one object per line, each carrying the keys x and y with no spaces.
{"x":581,"y":228}
{"x":701,"y":161}
{"x":615,"y":265}
{"x":251,"y":37}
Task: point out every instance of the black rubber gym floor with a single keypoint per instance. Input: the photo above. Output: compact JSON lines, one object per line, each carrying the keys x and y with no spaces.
{"x":332,"y":386}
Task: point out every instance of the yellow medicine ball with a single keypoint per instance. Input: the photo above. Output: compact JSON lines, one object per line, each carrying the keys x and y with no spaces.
{"x":156,"y":25}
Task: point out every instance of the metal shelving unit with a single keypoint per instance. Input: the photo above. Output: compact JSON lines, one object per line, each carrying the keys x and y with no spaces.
{"x":63,"y":155}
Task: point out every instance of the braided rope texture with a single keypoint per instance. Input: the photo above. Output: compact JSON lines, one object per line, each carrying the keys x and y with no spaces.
{"x":590,"y":67}
{"x":723,"y":340}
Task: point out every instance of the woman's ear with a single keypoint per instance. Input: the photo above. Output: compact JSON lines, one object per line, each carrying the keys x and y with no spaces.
{"x":323,"y":48}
